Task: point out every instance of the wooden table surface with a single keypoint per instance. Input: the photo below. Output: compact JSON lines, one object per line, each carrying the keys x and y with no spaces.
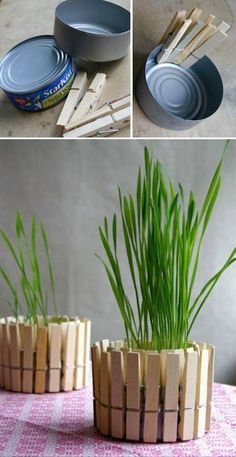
{"x":22,"y":19}
{"x":149,"y":24}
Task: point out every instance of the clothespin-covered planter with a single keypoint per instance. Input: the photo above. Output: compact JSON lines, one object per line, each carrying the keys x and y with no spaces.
{"x":152,"y":396}
{"x":38,"y":352}
{"x":156,"y":385}
{"x":39,"y":358}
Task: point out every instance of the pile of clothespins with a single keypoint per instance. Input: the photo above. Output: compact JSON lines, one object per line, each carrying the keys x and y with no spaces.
{"x":80,"y":117}
{"x":187,"y":35}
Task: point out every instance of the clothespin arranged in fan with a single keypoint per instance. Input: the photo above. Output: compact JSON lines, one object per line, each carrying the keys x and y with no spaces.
{"x":186,"y":37}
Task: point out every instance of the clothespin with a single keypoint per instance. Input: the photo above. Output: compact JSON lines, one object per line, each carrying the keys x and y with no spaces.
{"x":171,"y":397}
{"x":133,"y":400}
{"x":55,"y":338}
{"x":90,"y":98}
{"x":201,"y":394}
{"x":173,"y":41}
{"x":15,"y":357}
{"x":175,"y":22}
{"x":28,"y":358}
{"x":188,"y":394}
{"x":41,"y":360}
{"x":117,"y":395}
{"x":103,"y":126}
{"x":152,"y":398}
{"x":76,"y":93}
{"x":107,"y":109}
{"x":105,"y":393}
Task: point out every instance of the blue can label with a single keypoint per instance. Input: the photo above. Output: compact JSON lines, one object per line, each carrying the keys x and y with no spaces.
{"x":46,"y":97}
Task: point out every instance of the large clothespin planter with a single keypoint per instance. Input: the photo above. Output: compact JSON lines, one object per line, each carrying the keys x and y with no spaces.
{"x":149,"y":396}
{"x":39,"y":358}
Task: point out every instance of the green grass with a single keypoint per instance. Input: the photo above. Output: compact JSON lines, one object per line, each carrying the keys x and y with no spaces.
{"x":28,"y":296}
{"x":163,"y":231}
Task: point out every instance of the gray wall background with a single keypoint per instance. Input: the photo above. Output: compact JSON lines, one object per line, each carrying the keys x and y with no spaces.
{"x":71,"y":185}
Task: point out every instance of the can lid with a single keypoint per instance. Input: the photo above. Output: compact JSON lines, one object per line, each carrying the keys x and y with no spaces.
{"x":176,"y":89}
{"x":32,"y":64}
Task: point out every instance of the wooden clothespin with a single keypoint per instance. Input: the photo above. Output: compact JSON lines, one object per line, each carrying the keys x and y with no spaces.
{"x":175,"y":22}
{"x":15,"y":356}
{"x":76,"y":93}
{"x":118,"y":345}
{"x":90,"y":98}
{"x":173,"y":41}
{"x":83,"y":335}
{"x":87,"y":352}
{"x":6,"y":356}
{"x":201,"y":394}
{"x":108,"y":108}
{"x":195,"y":43}
{"x":41,"y":360}
{"x":104,"y":345}
{"x":163,"y":355}
{"x":28,"y":344}
{"x":210,"y":380}
{"x":152,"y":398}
{"x":188,"y":394}
{"x":171,"y":397}
{"x":192,"y":32}
{"x":111,"y":346}
{"x":142,"y":364}
{"x":221,"y":29}
{"x":125,"y":351}
{"x":68,"y":357}
{"x":105,"y":393}
{"x":210,"y":44}
{"x":117,"y":395}
{"x":133,"y":399}
{"x":210,"y":19}
{"x":1,"y":360}
{"x":79,"y":356}
{"x":96,"y":365}
{"x":102,"y":127}
{"x":55,"y":338}
{"x":194,"y":15}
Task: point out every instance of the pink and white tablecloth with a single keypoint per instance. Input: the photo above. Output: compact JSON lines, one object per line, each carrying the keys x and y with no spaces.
{"x":62,"y":425}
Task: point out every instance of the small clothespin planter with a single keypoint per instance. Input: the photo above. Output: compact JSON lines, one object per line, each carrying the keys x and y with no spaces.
{"x":151,"y":396}
{"x":40,"y":358}
{"x":179,"y":86}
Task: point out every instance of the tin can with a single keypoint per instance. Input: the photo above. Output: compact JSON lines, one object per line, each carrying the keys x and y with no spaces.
{"x":178,"y":98}
{"x":36,"y":74}
{"x":92,"y":30}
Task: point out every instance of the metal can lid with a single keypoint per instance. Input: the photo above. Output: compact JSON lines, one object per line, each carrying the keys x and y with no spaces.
{"x":176,"y":89}
{"x":32,"y":64}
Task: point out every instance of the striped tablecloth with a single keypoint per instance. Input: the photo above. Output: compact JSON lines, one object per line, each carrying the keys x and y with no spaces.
{"x":62,"y":425}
